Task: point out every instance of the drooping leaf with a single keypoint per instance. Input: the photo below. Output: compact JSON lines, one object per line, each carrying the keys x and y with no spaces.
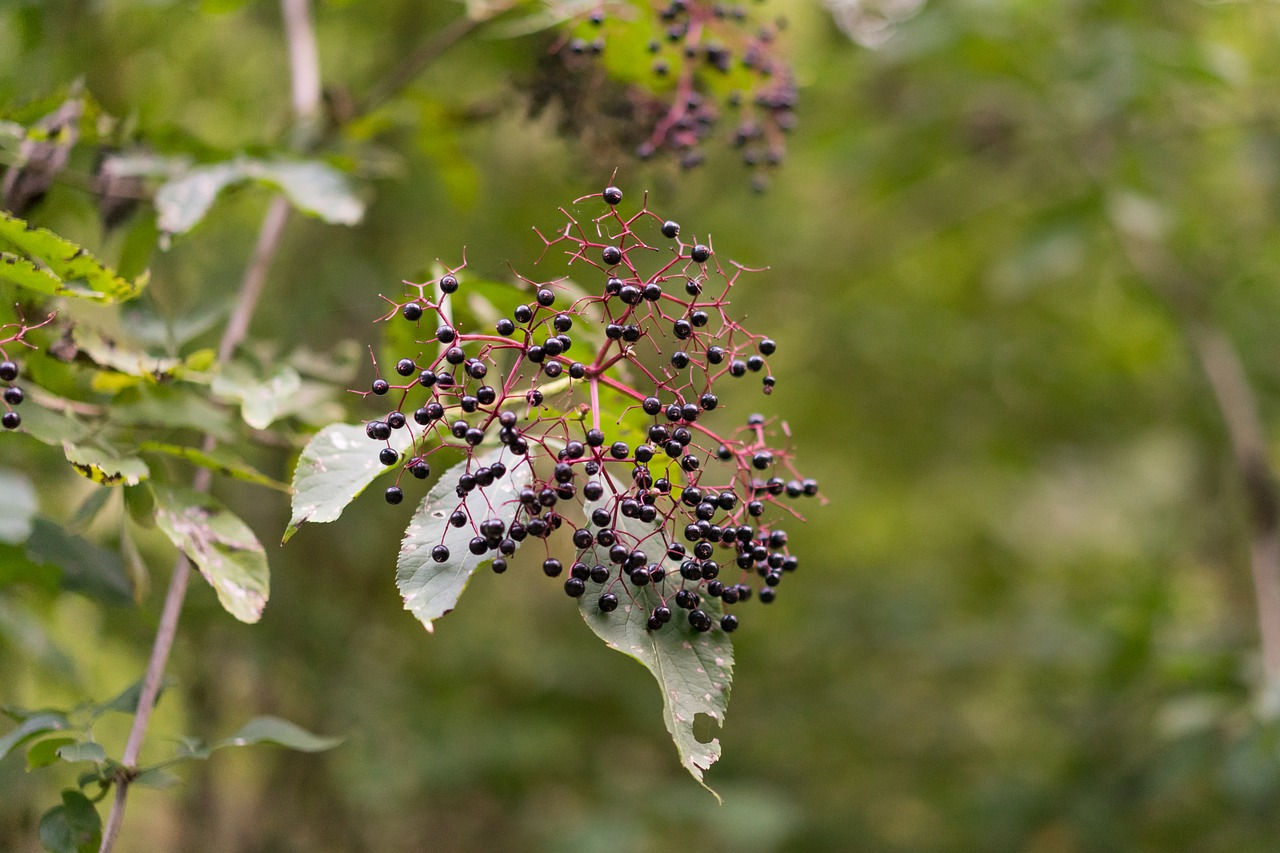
{"x":262,"y":400}
{"x":315,"y":188}
{"x":268,"y":729}
{"x":312,"y":186}
{"x":44,"y":721}
{"x":17,"y":507}
{"x":51,"y":426}
{"x":73,"y":827}
{"x":693,"y":669}
{"x":220,"y":460}
{"x":334,"y":468}
{"x":103,"y":468}
{"x":431,"y":589}
{"x":158,"y":778}
{"x":46,"y":263}
{"x":220,"y":545}
{"x":86,"y":568}
{"x":184,"y":201}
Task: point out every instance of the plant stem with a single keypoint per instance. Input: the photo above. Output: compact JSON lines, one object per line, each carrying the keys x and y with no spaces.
{"x":1238,"y":406}
{"x":305,"y":72}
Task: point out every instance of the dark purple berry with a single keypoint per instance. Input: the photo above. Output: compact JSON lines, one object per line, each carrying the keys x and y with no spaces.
{"x":728,"y":623}
{"x":412,"y":311}
{"x":11,"y":420}
{"x":448,"y":283}
{"x":611,"y":255}
{"x":388,"y":456}
{"x":700,"y":254}
{"x":612,"y":195}
{"x":394,"y":495}
{"x":699,"y":620}
{"x":608,"y":603}
{"x":406,"y":367}
{"x":670,"y":229}
{"x":505,"y":326}
{"x":381,"y":386}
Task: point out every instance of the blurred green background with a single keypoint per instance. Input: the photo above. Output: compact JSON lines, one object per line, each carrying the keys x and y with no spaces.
{"x":1024,"y":621}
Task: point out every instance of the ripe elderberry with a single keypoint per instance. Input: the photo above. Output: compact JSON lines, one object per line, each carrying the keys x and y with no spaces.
{"x":504,"y":397}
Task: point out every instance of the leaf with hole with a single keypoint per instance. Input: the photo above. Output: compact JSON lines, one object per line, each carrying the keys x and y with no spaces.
{"x":693,"y":669}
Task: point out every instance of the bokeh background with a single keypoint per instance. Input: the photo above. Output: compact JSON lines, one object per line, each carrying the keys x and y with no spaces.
{"x":1023,"y":620}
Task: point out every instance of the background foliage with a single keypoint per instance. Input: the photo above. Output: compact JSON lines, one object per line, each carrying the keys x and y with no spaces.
{"x":1025,"y":620}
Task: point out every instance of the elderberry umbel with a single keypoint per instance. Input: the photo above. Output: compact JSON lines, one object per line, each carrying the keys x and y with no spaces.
{"x":604,"y":397}
{"x":713,"y":70}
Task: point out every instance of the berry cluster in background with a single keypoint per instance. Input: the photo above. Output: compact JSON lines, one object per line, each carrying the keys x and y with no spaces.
{"x":607,"y":397}
{"x":709,"y":70}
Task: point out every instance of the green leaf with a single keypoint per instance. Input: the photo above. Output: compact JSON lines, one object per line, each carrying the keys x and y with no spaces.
{"x":158,"y":778}
{"x":694,"y":669}
{"x":102,"y":467}
{"x":51,"y":427}
{"x":312,"y":186}
{"x":184,"y":201}
{"x":89,"y":509}
{"x":44,"y":721}
{"x":431,"y":589}
{"x":262,"y":401}
{"x":86,"y":568}
{"x":334,"y":468}
{"x":17,"y":507}
{"x":267,"y":729}
{"x":220,"y":460}
{"x":73,"y":827}
{"x":220,"y":545}
{"x":85,"y":751}
{"x":54,"y":266}
{"x":45,"y":752}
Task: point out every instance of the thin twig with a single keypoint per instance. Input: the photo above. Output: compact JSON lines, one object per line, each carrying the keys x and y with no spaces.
{"x":416,"y":62}
{"x":1238,"y":405}
{"x":304,"y":63}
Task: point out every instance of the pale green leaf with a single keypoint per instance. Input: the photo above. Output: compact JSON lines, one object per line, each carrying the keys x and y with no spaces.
{"x":334,"y":468}
{"x":694,"y":669}
{"x":17,"y":507}
{"x":267,"y":729}
{"x":44,"y":721}
{"x":184,"y":201}
{"x":262,"y":400}
{"x":220,"y":545}
{"x":431,"y":589}
{"x":86,"y":751}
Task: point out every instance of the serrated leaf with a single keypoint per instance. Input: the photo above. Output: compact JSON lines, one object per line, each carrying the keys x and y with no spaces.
{"x":37,"y":723}
{"x":85,"y":751}
{"x":220,"y":460}
{"x":86,"y":568}
{"x":17,"y":507}
{"x":431,"y":589}
{"x":262,"y":401}
{"x":52,"y":265}
{"x":337,"y":465}
{"x":103,"y":468}
{"x":267,"y":729}
{"x":73,"y":827}
{"x":693,"y":669}
{"x":220,"y":545}
{"x":45,"y":752}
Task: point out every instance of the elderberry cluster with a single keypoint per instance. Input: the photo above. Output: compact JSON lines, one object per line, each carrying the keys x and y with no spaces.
{"x":602,"y":403}
{"x":707,"y":58}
